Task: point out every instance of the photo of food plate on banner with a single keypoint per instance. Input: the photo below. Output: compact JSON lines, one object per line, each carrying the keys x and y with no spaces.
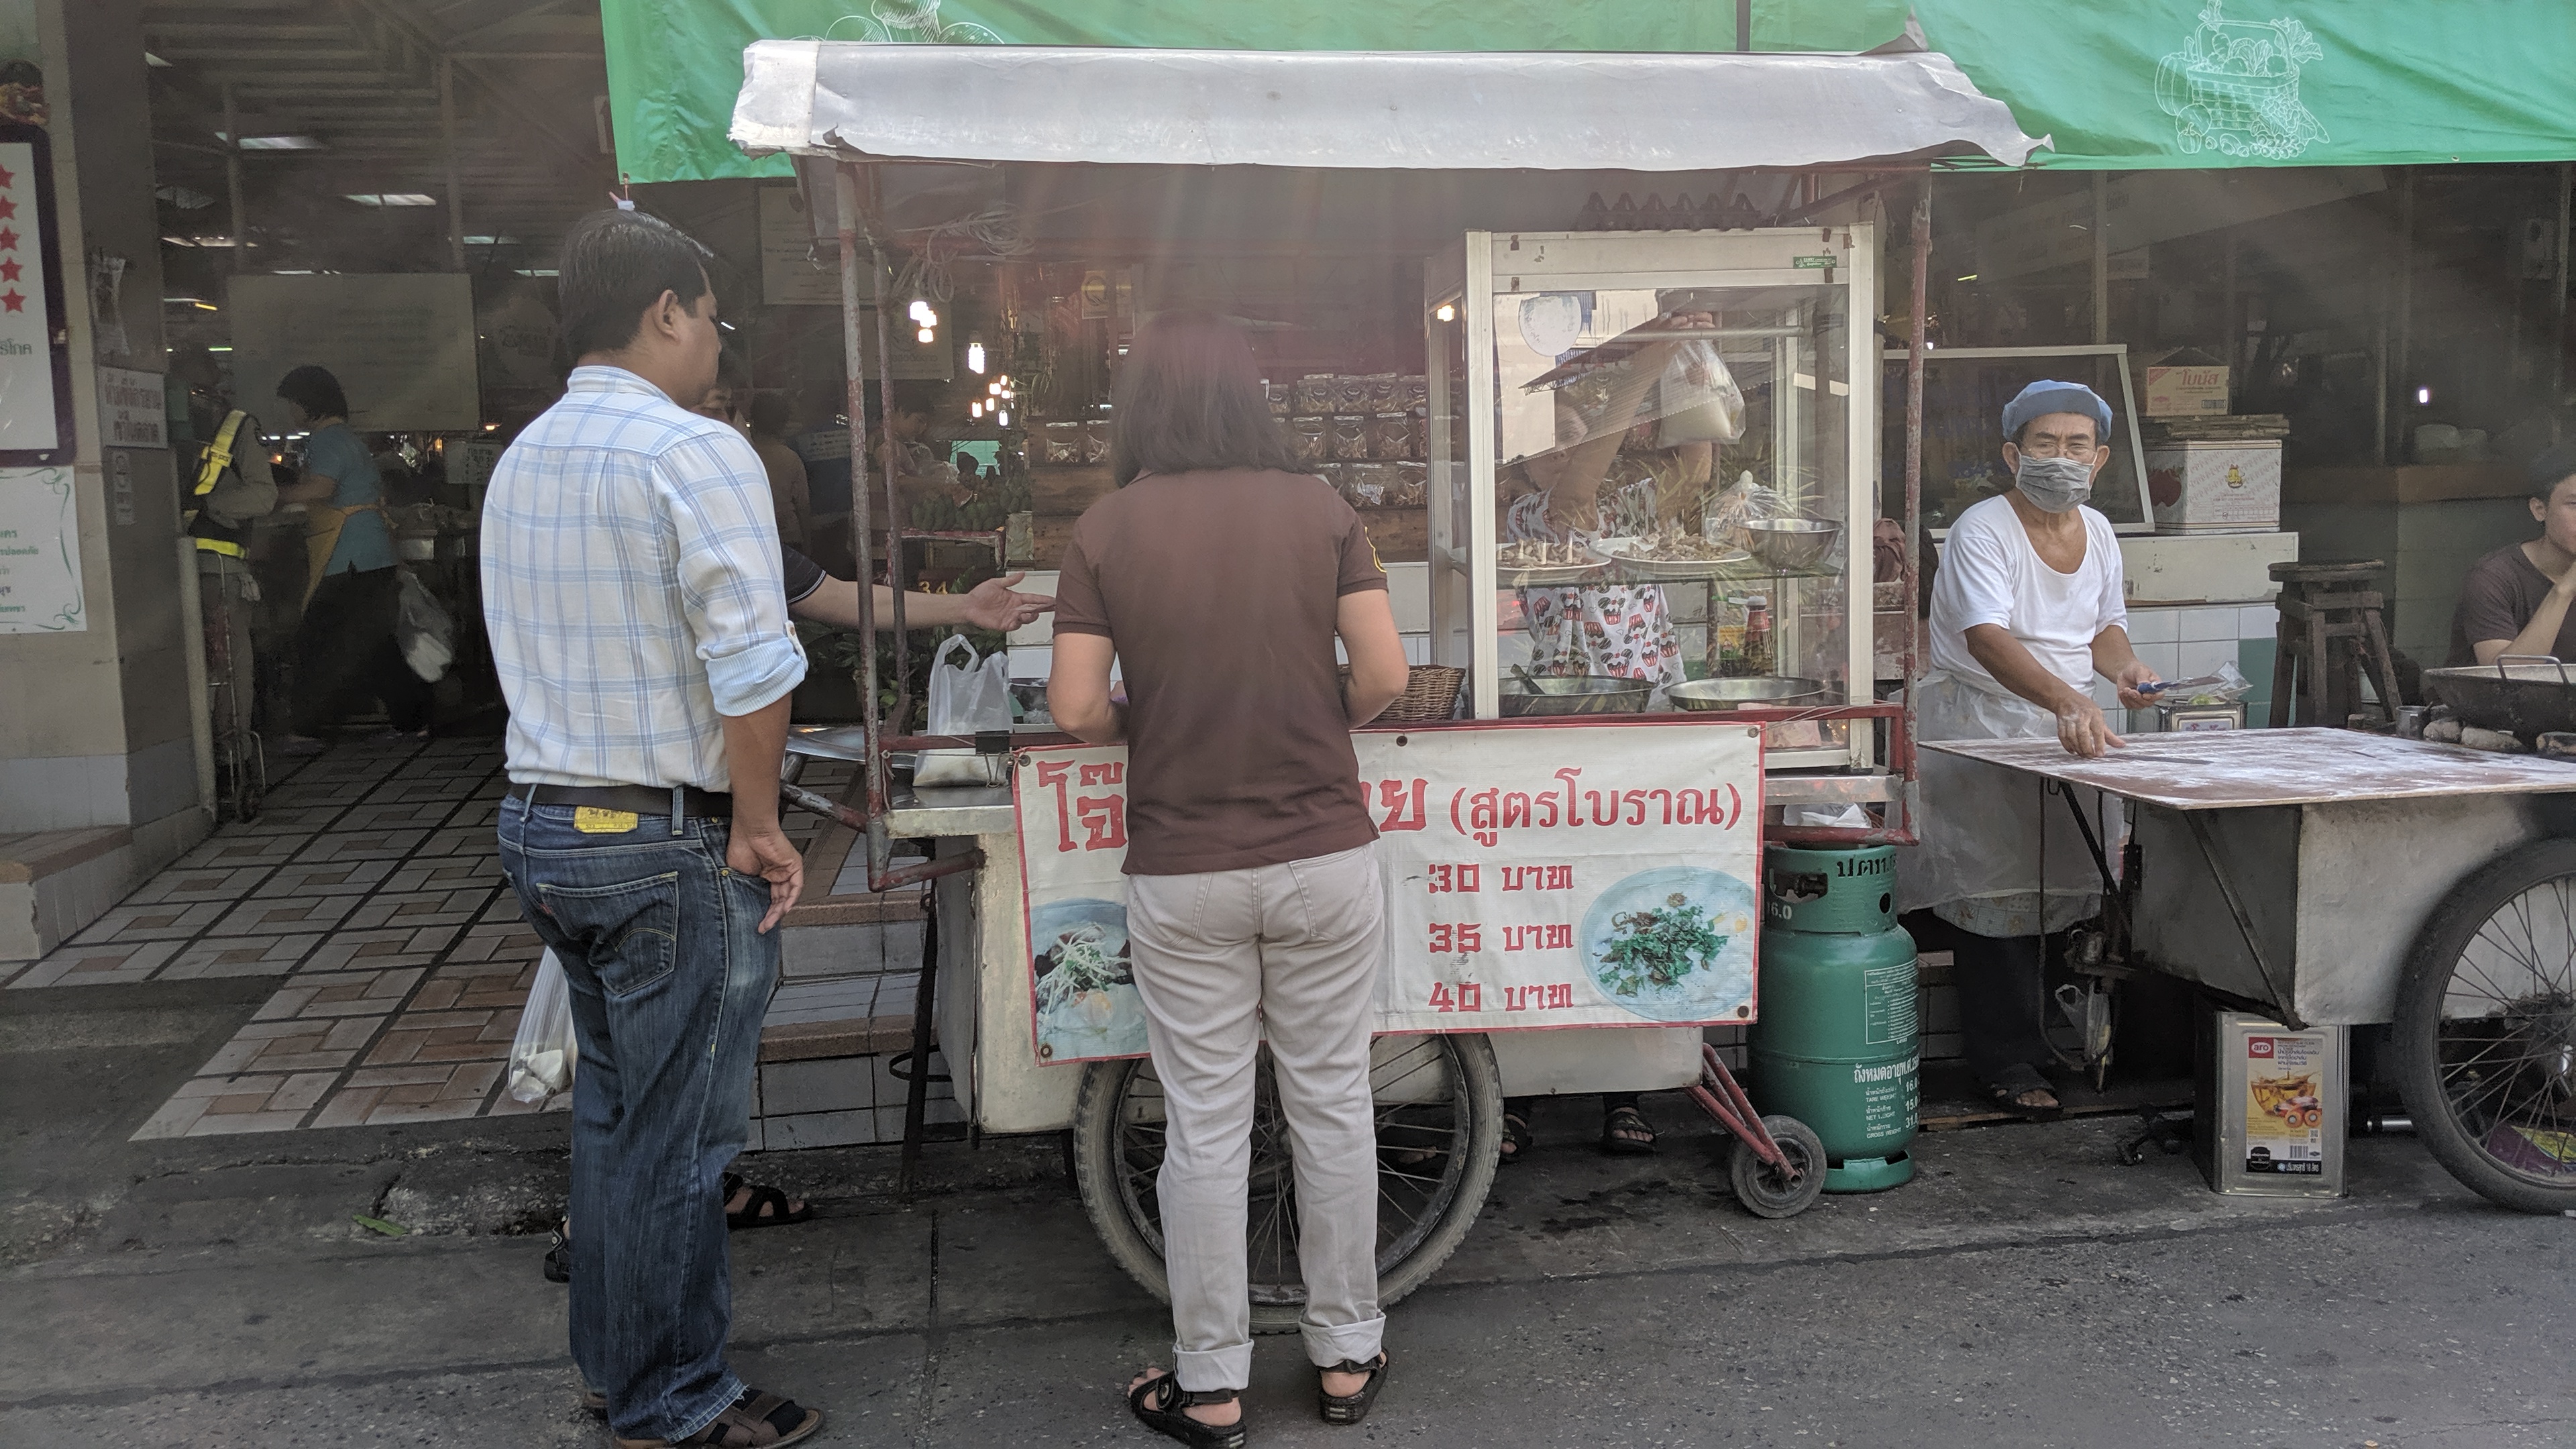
{"x":1566,"y":875}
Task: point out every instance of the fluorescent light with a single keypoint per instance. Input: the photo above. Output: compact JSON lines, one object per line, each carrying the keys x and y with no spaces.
{"x":1969,"y":277}
{"x":538,"y":271}
{"x":178,"y":241}
{"x":391,"y":198}
{"x":292,"y":272}
{"x":491,"y":241}
{"x":276,"y":143}
{"x":219,"y":348}
{"x":154,"y":61}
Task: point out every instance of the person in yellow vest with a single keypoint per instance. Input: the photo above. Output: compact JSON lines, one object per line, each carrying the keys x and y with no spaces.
{"x":345,"y":651}
{"x":231,"y":490}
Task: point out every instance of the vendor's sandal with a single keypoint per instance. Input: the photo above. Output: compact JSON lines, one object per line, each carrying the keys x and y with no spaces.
{"x":1516,"y":1137}
{"x":2020,"y":1083}
{"x":1159,"y":1399}
{"x":1625,"y":1132}
{"x":1351,"y":1408}
{"x":558,"y":1267}
{"x":594,"y":1403}
{"x":757,"y":1420}
{"x":766,"y":1209}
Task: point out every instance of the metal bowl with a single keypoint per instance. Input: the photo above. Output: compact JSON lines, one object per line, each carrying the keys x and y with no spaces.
{"x":1619,"y":553}
{"x":1767,"y":689}
{"x":1574,"y":694}
{"x":1791,"y":543}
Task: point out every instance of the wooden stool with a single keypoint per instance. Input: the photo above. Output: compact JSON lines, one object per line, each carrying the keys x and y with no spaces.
{"x":2330,"y":631}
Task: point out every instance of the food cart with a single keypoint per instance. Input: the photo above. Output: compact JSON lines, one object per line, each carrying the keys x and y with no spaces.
{"x":2336,"y":878}
{"x":1668,"y":437}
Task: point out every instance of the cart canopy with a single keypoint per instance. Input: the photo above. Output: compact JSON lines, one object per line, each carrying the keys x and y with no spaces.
{"x":1433,"y":111}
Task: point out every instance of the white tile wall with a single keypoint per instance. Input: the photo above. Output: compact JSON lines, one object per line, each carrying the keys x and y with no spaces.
{"x":2201,"y":657}
{"x":2202,"y":625}
{"x":2154,"y":626}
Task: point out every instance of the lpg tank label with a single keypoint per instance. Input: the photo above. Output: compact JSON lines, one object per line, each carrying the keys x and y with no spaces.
{"x":1887,"y":1003}
{"x":1891,"y":1096}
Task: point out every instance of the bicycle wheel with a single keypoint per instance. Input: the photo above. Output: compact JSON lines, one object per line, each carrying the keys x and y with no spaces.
{"x":1439,"y":1109}
{"x":2486,"y":1030}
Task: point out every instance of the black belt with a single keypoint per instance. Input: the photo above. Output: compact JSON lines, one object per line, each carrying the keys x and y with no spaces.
{"x":639,"y":799}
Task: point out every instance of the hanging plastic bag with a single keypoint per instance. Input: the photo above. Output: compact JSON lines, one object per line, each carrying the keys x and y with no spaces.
{"x":543,"y":1054}
{"x":1700,"y":402}
{"x":422,"y":629}
{"x":966,"y":698}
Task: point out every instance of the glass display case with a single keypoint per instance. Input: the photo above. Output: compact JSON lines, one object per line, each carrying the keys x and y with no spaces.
{"x":1652,"y":477}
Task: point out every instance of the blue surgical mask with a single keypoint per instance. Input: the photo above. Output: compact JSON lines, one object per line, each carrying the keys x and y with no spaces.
{"x":2054,"y":485}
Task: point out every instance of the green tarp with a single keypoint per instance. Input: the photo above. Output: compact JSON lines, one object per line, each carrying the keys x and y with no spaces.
{"x":2142,"y":84}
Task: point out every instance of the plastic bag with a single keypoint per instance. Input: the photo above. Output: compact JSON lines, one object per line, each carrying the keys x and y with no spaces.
{"x":543,"y":1054}
{"x":2227,"y":686}
{"x":966,"y":698}
{"x":423,"y":630}
{"x":1700,"y":402}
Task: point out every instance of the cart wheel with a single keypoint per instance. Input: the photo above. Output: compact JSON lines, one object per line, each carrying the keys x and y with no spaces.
{"x":1439,"y":1103}
{"x":2486,"y":1030}
{"x":1763,"y":1189}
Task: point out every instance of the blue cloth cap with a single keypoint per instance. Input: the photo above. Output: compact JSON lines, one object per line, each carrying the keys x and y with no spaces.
{"x":2044,"y":397}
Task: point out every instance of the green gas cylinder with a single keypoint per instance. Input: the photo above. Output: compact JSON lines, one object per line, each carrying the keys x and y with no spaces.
{"x":1835,"y":1045}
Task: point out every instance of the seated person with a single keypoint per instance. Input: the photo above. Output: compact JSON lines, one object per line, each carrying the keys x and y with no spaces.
{"x":2515,"y":600}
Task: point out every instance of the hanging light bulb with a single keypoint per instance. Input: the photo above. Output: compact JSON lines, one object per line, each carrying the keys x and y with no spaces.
{"x":1005,"y":419}
{"x":995,"y":388}
{"x":975,"y":409}
{"x":975,"y":355}
{"x":919,"y":311}
{"x":1448,"y":312}
{"x":924,"y":334}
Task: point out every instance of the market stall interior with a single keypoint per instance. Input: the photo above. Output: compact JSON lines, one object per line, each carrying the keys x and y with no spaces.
{"x":1625,"y":444}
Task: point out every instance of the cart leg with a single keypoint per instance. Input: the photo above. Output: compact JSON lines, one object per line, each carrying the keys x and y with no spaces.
{"x":924,"y":1000}
{"x":1723,"y":1098}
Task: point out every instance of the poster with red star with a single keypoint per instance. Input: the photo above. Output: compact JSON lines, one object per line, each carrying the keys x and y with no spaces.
{"x":33,"y":402}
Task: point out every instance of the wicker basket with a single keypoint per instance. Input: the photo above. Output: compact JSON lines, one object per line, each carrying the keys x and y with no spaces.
{"x":1430,"y":694}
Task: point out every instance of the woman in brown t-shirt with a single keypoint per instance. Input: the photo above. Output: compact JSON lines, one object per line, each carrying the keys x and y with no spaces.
{"x":1218,"y":578}
{"x":2516,"y":599}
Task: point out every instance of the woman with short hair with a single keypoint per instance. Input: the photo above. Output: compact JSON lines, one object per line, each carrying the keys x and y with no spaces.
{"x":1219,"y":576}
{"x":345,"y":650}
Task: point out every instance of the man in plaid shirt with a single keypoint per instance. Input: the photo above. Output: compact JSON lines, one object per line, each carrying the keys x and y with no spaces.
{"x":633,"y":593}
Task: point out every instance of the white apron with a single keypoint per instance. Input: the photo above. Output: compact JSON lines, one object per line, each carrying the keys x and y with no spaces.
{"x":1982,"y":828}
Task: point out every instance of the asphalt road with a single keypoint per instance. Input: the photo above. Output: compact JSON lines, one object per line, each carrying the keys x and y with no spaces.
{"x":2025,"y":1290}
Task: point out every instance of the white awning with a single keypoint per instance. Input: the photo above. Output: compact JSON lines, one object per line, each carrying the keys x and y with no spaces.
{"x":1443,"y":111}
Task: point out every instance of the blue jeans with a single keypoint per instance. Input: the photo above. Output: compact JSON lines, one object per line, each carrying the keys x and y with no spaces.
{"x":670,"y":979}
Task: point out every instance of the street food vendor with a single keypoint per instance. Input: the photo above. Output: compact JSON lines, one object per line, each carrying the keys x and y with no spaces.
{"x":2027,"y":606}
{"x":2515,"y":600}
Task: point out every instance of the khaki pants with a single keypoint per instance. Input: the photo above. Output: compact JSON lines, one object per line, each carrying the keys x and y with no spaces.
{"x":1291,"y":952}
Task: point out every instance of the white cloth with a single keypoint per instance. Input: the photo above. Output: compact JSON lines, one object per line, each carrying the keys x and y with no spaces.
{"x":632,"y":589}
{"x":1983,"y":830}
{"x":1293,"y":951}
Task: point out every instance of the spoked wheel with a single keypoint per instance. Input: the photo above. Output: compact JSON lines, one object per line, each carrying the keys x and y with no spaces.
{"x":2486,"y":1030}
{"x":1439,"y":1110}
{"x":1766,"y":1191}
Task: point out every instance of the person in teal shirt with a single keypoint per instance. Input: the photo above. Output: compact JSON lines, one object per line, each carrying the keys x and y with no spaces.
{"x":345,"y":650}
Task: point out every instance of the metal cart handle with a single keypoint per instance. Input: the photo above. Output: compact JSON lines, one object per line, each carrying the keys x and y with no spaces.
{"x":2502,"y":660}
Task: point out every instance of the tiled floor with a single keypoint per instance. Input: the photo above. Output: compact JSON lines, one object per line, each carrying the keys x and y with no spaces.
{"x":369,"y":885}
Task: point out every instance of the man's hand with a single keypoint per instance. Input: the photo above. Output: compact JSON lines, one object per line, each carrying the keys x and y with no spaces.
{"x":764,"y":851}
{"x":2082,"y":729}
{"x":993,"y":604}
{"x":2130,"y":678}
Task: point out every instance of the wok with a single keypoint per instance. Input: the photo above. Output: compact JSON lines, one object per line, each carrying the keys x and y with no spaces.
{"x":1573,"y":694}
{"x":2521,"y":694}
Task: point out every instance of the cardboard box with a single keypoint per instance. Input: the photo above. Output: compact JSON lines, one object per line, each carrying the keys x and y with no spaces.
{"x":2215,"y":487}
{"x":2186,"y":391}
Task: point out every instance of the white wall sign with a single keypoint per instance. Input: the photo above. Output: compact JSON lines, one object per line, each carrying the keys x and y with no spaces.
{"x":402,"y":345}
{"x":133,"y":409}
{"x":28,"y":416}
{"x":40,"y":578}
{"x":794,"y":271}
{"x":1577,"y":875}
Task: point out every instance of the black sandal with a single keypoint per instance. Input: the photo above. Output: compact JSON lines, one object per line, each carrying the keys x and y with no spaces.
{"x":1516,"y":1140}
{"x":767,"y":1208}
{"x":2018,"y":1083}
{"x":1351,"y":1408}
{"x":1158,"y":1402}
{"x":559,"y":1256}
{"x":1626,"y":1119}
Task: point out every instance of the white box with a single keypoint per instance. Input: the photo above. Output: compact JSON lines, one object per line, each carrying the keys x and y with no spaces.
{"x":2215,"y":487}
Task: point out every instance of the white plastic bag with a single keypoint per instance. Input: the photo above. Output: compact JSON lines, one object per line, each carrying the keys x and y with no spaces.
{"x":423,"y":630}
{"x":1699,"y":402}
{"x":966,"y":698}
{"x":543,"y":1054}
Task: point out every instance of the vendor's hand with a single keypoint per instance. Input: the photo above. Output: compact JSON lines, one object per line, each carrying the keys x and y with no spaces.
{"x":2083,"y":731}
{"x":993,"y":604}
{"x":765,"y":851}
{"x":2135,"y":675}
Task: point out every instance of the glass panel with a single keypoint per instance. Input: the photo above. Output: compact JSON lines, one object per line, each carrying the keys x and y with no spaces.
{"x":1963,"y":410}
{"x":1672,"y":493}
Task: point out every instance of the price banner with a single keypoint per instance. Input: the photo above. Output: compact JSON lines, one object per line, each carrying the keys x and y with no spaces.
{"x":1574,"y":875}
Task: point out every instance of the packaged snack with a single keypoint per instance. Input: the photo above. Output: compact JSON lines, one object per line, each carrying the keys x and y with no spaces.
{"x":1350,"y":436}
{"x":1095,"y":440}
{"x":1315,"y":392}
{"x":1385,"y":392}
{"x":1311,"y":437}
{"x":1412,"y":485}
{"x":1350,"y":393}
{"x":1367,"y":485}
{"x":1282,"y":397}
{"x":1417,"y":434}
{"x":1416,"y":391}
{"x":1059,"y":444}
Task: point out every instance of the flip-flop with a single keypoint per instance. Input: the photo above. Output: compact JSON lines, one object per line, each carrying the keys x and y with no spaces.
{"x":1626,"y":1119}
{"x":2024,"y":1080}
{"x":1517,"y":1137}
{"x":767,"y":1208}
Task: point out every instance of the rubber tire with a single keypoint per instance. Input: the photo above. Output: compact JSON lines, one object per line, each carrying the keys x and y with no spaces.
{"x":1095,"y":1173}
{"x":1751,"y":1176}
{"x":2447,"y":932}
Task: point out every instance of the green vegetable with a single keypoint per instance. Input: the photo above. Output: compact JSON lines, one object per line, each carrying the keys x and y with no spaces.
{"x":1659,"y":948}
{"x":1079,"y":962}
